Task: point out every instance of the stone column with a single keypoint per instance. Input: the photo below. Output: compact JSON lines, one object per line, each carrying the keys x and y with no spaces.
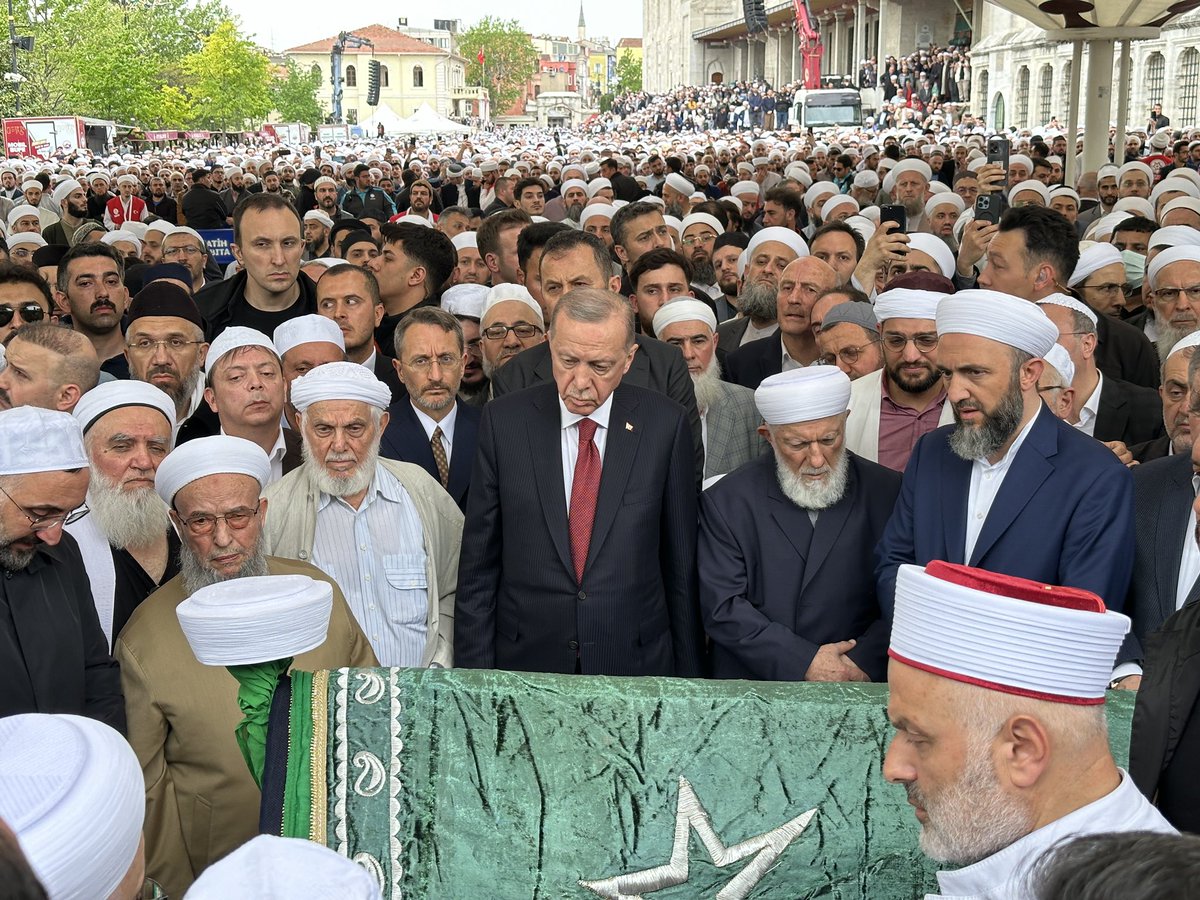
{"x":837,"y":63}
{"x":860,"y":36}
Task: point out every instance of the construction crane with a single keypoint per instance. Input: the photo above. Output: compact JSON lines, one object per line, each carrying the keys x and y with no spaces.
{"x":811,"y":48}
{"x":343,"y":40}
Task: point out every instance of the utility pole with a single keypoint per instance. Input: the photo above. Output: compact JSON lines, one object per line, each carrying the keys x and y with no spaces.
{"x":12,"y":43}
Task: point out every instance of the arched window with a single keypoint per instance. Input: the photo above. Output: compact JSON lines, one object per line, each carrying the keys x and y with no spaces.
{"x":1155,"y":67}
{"x":998,"y":112}
{"x":1064,"y":96}
{"x":1023,"y":97}
{"x":383,"y":76}
{"x":316,"y":71}
{"x":983,"y":93}
{"x":1045,"y":93}
{"x":1189,"y":84}
{"x":351,"y":77}
{"x":418,"y":77}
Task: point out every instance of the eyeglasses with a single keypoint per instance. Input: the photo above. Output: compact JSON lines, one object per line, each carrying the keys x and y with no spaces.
{"x":445,"y":361}
{"x":182,"y":251}
{"x":203,"y":524}
{"x":848,"y":355}
{"x":1109,"y":290}
{"x":29,"y":312}
{"x":1166,"y":295}
{"x":692,"y":240}
{"x":521,"y":330}
{"x":47,"y":523}
{"x":925,"y":343}
{"x":172,"y":345}
{"x":474,"y":346}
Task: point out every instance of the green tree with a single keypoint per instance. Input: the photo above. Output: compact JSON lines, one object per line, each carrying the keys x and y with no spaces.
{"x":509,"y":59}
{"x":294,"y":96}
{"x":229,"y":81}
{"x":629,"y":72}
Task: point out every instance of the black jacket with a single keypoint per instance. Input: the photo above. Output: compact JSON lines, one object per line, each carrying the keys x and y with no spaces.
{"x":220,"y":304}
{"x":1123,"y":351}
{"x":203,"y":208}
{"x":750,"y":363}
{"x":1128,"y":412}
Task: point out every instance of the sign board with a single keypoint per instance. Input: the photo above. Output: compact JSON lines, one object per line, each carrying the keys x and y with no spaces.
{"x":218,"y":241}
{"x":42,"y":137}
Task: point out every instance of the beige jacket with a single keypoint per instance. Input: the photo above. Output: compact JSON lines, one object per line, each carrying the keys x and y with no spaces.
{"x":291,"y":526}
{"x":201,"y":801}
{"x":866,"y":403}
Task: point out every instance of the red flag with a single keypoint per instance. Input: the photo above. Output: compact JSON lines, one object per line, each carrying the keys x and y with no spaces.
{"x":480,"y":56}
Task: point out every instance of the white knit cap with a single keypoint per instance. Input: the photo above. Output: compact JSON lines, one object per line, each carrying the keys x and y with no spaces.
{"x":277,"y":868}
{"x":71,"y":789}
{"x":257,"y":619}
{"x":1185,"y":252}
{"x":703,"y":219}
{"x":933,"y":246}
{"x":233,"y":337}
{"x":339,"y":381}
{"x":997,"y":317}
{"x":220,"y":454}
{"x":505,"y":291}
{"x":594,"y":210}
{"x":1058,"y":357}
{"x":803,"y":395}
{"x":1070,"y":303}
{"x":464,"y":240}
{"x":907,"y":303}
{"x":465,"y":300}
{"x":33,"y":439}
{"x":1093,"y":258}
{"x":315,"y":215}
{"x":779,"y":235}
{"x":1004,"y":633}
{"x":683,"y":309}
{"x":307,"y":329}
{"x":118,"y":394}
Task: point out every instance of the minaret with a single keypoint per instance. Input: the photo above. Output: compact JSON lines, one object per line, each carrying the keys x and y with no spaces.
{"x":582,"y":31}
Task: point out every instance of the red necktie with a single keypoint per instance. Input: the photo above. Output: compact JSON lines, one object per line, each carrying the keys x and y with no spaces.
{"x":584,"y":489}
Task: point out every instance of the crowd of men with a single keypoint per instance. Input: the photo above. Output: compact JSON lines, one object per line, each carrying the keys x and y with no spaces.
{"x":737,"y":405}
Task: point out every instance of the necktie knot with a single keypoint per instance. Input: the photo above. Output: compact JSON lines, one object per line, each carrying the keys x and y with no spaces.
{"x":587,"y":430}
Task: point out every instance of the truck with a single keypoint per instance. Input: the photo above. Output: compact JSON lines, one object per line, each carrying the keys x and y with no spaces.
{"x":44,"y":136}
{"x":826,"y":108}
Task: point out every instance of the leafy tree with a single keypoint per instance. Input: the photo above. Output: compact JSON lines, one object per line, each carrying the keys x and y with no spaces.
{"x":629,"y":72}
{"x":229,"y":81}
{"x":294,"y":96}
{"x":509,"y":59}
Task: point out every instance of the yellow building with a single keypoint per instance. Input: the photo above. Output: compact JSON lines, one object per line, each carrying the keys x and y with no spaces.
{"x":412,"y":72}
{"x":632,"y":46}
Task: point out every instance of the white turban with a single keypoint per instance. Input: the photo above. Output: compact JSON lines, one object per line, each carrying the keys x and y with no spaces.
{"x":71,"y":789}
{"x":907,"y":303}
{"x":780,"y":235}
{"x":465,"y":300}
{"x":703,"y":219}
{"x":315,"y":215}
{"x":1174,"y":236}
{"x":574,"y":183}
{"x":594,"y":210}
{"x":1072,"y":304}
{"x":1093,"y":258}
{"x":221,"y":454}
{"x":676,"y":224}
{"x":464,"y":240}
{"x":257,"y":619}
{"x":745,"y":187}
{"x":33,"y":439}
{"x":866,"y":180}
{"x":1174,"y":185}
{"x":997,"y":317}
{"x":683,"y":309}
{"x":934,"y":246}
{"x":1058,"y":357}
{"x":1189,"y":203}
{"x":26,"y":237}
{"x":18,"y":212}
{"x":912,"y":165}
{"x":1031,"y":184}
{"x":1184,"y":253}
{"x":677,"y":182}
{"x":65,"y":189}
{"x":944,"y":199}
{"x":276,"y":868}
{"x":596,"y":185}
{"x":803,"y":395}
{"x":309,"y":329}
{"x":162,"y":226}
{"x":1105,"y":225}
{"x":232,"y":338}
{"x":29,"y":184}
{"x":1136,"y":166}
{"x":122,"y":235}
{"x":1064,"y":191}
{"x":1137,"y":205}
{"x":835,"y":201}
{"x":818,"y":191}
{"x":1188,"y":340}
{"x":118,"y":394}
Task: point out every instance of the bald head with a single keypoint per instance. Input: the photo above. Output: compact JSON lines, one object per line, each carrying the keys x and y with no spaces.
{"x":49,"y":366}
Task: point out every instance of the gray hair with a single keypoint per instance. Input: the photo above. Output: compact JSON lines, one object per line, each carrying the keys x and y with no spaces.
{"x":593,"y":306}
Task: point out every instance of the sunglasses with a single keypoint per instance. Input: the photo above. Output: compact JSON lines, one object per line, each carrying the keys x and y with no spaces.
{"x":29,"y":312}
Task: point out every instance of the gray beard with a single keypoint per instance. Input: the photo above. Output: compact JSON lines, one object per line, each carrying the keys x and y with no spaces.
{"x":674,"y":209}
{"x":1168,"y":336}
{"x":758,"y":301}
{"x":196,"y":575}
{"x":126,"y":518}
{"x":814,"y":496}
{"x":703,"y":272}
{"x":707,"y":385}
{"x":341,"y":485}
{"x":914,"y":208}
{"x":574,"y":211}
{"x":15,"y":560}
{"x":972,"y":442}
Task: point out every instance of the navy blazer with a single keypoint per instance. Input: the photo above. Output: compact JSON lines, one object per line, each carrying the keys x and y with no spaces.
{"x":1064,"y":514}
{"x":519,"y":605}
{"x":750,"y":363}
{"x":404,"y":440}
{"x":773,"y":588}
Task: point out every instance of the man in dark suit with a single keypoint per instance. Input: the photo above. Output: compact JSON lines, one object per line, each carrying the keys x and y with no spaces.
{"x":579,"y":548}
{"x":786,"y":597}
{"x":624,"y":187}
{"x":350,"y":296}
{"x":202,"y":207}
{"x":1176,"y":397}
{"x":457,"y":191}
{"x":431,"y":427}
{"x":1010,"y":487}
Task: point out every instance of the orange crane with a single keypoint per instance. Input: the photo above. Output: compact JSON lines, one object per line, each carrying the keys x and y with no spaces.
{"x":811,"y":48}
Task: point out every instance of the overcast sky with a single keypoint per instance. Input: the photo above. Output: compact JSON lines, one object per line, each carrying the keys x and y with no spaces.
{"x":299,"y":22}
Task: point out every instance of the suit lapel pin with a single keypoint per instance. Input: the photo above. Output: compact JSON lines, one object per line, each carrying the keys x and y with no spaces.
{"x":629,"y":426}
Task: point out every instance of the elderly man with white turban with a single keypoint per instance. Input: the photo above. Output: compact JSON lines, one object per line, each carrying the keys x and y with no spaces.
{"x":1172,"y":278}
{"x":785,"y":544}
{"x":384,"y":530}
{"x":201,"y":801}
{"x":1010,"y":488}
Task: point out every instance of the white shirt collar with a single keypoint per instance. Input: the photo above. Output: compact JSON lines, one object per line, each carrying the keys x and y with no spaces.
{"x":1091,"y":409}
{"x":447,"y":424}
{"x":369,"y":362}
{"x":278,"y":449}
{"x":600,"y":415}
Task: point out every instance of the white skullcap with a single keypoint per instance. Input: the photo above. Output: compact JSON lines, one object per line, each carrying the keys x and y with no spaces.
{"x":505,"y":291}
{"x":464,"y":240}
{"x":866,"y":179}
{"x":1189,"y":203}
{"x":1136,"y":166}
{"x":997,"y":317}
{"x":309,"y":329}
{"x":1174,"y":236}
{"x":137,"y":229}
{"x":746,"y":187}
{"x":934,"y":246}
{"x":1174,"y":185}
{"x":1093,"y":258}
{"x":1061,"y":190}
{"x":1188,"y":340}
{"x":340,"y":381}
{"x":603,"y":210}
{"x":683,"y":309}
{"x":220,"y":454}
{"x":862,"y":224}
{"x":803,"y":395}
{"x":26,"y":237}
{"x":30,"y":184}
{"x":944,"y":199}
{"x":1139,"y":205}
{"x":1183,"y":253}
{"x":677,"y":182}
{"x":574,"y":183}
{"x":1108,"y":170}
{"x":128,"y":237}
{"x":1107,"y":224}
{"x":33,"y":439}
{"x":1031,"y":184}
{"x":907,"y":303}
{"x":127,"y":179}
{"x":835,"y":201}
{"x":817,"y":191}
{"x":675,"y":223}
{"x":912,"y":165}
{"x":65,"y":189}
{"x":1071,"y":303}
{"x":596,"y":185}
{"x":412,"y":219}
{"x":703,"y":219}
{"x":937,"y":187}
{"x":1058,"y":357}
{"x":277,"y":868}
{"x":162,"y":226}
{"x":1006,"y":634}
{"x":233,"y":337}
{"x":465,"y":300}
{"x":71,"y":789}
{"x":1020,"y":159}
{"x":118,"y":394}
{"x":257,"y":619}
{"x":18,"y":212}
{"x":315,"y":215}
{"x":780,"y":235}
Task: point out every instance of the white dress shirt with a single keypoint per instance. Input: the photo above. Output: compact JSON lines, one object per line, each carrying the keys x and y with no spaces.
{"x":278,"y":451}
{"x":1087,"y":415}
{"x":447,"y":426}
{"x":986,"y":480}
{"x":753,"y":333}
{"x":376,"y":554}
{"x":369,"y":362}
{"x":569,"y":423}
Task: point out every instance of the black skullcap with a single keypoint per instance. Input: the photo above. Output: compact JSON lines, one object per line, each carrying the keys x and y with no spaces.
{"x":161,"y":298}
{"x":356,"y":236}
{"x":922,"y":281}
{"x":176,"y":271}
{"x":49,"y":255}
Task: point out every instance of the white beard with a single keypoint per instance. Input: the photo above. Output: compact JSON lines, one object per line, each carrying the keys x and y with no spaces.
{"x":820,"y":495}
{"x":347,"y":485}
{"x":127,"y":518}
{"x":707,"y":385}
